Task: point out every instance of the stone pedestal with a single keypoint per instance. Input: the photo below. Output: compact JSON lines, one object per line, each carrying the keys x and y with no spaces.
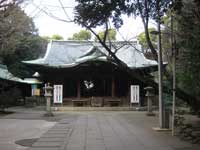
{"x":150,"y":105}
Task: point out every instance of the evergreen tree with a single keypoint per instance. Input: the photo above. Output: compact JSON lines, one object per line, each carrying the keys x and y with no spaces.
{"x":81,"y":35}
{"x":188,"y":42}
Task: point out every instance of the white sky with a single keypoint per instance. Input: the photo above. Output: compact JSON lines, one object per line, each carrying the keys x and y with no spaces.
{"x":48,"y":26}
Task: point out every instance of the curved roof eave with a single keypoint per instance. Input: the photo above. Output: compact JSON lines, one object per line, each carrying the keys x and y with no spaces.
{"x":143,"y":67}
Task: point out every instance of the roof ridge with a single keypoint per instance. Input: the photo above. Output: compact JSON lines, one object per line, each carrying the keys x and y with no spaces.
{"x":73,"y":41}
{"x":86,"y":41}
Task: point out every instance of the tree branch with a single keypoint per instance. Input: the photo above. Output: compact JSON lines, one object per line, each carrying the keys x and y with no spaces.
{"x":63,"y":8}
{"x":145,"y":21}
{"x":105,"y":32}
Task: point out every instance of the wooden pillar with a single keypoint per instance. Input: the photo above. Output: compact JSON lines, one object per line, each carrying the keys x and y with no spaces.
{"x":129,"y":89}
{"x":113,"y":87}
{"x":78,"y":89}
{"x":104,"y":87}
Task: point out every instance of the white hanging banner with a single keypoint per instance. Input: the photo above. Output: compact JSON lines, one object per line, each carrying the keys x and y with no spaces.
{"x":135,"y":93}
{"x":58,"y":94}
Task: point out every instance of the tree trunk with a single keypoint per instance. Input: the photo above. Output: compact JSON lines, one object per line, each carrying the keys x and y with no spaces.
{"x":149,"y":43}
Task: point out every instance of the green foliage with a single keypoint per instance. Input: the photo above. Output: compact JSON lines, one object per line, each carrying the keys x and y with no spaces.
{"x":92,"y":13}
{"x":14,"y":24}
{"x":142,"y":39}
{"x":167,"y":96}
{"x":4,"y":4}
{"x":18,"y":40}
{"x":56,"y":37}
{"x":47,"y":38}
{"x":29,"y":47}
{"x":81,"y":35}
{"x":53,"y":37}
{"x":166,"y":40}
{"x":111,"y":35}
{"x":189,"y":47}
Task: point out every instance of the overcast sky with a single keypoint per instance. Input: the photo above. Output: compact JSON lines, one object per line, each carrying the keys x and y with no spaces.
{"x":48,"y":26}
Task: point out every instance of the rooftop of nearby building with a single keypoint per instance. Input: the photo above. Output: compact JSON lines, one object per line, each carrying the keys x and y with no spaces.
{"x":6,"y":75}
{"x":65,"y":54}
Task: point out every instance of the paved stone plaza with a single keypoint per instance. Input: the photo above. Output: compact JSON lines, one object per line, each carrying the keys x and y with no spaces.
{"x":95,"y":131}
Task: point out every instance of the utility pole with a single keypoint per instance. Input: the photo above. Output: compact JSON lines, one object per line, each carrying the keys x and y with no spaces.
{"x":174,"y":70}
{"x":160,"y":71}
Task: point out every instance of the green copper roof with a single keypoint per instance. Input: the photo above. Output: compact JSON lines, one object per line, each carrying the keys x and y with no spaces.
{"x":6,"y":75}
{"x":66,"y":54}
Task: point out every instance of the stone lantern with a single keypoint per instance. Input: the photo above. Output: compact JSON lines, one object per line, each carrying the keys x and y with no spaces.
{"x":149,"y":94}
{"x":48,"y":95}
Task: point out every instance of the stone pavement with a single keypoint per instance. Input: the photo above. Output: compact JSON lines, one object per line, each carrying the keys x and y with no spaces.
{"x":19,"y":129}
{"x":12,"y":130}
{"x":109,"y":131}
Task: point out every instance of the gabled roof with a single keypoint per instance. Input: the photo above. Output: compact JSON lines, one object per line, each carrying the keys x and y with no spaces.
{"x":6,"y":75}
{"x":65,"y":54}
